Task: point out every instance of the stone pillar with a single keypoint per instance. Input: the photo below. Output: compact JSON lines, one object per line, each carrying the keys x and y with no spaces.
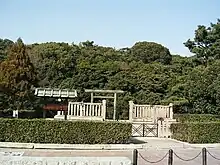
{"x":167,"y":128}
{"x":103,"y":109}
{"x":15,"y":113}
{"x":59,"y":113}
{"x":115,"y":99}
{"x":92,"y":98}
{"x":159,"y":128}
{"x":171,"y":110}
{"x":131,"y":108}
{"x":154,"y":113}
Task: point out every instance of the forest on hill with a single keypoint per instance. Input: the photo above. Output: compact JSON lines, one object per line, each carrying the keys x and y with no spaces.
{"x":147,"y":72}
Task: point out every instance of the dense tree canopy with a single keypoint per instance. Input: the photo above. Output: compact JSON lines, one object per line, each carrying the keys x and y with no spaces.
{"x":4,"y":45}
{"x":206,"y":43}
{"x":150,"y":52}
{"x":147,"y":72}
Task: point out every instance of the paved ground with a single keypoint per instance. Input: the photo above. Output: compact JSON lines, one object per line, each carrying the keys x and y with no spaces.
{"x":110,"y":156}
{"x":160,"y":143}
{"x":155,"y":150}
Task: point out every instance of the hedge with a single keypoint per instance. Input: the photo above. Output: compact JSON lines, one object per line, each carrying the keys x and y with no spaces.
{"x":63,"y":132}
{"x":196,"y":132}
{"x":196,"y":118}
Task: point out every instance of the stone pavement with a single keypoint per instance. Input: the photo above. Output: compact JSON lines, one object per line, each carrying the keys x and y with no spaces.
{"x":103,"y":157}
{"x":155,"y":150}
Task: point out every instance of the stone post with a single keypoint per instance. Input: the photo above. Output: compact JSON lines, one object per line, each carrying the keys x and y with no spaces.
{"x":59,"y":113}
{"x":154,"y":114}
{"x":167,"y":128}
{"x":131,"y":108}
{"x":171,"y":110}
{"x":103,"y":109}
{"x":15,"y":113}
{"x":115,"y":100}
{"x":159,"y":128}
{"x":92,"y":97}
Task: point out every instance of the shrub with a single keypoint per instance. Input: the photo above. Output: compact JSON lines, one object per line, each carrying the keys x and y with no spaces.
{"x":196,"y":132}
{"x":196,"y":117}
{"x":63,"y":132}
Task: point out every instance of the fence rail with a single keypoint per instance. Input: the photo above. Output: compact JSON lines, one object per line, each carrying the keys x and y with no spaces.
{"x":86,"y":111}
{"x":170,"y":155}
{"x":149,"y":112}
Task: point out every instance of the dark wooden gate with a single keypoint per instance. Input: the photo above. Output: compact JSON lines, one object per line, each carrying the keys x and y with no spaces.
{"x":144,"y":129}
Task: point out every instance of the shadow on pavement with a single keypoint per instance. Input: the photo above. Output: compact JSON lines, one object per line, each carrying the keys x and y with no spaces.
{"x":133,"y":140}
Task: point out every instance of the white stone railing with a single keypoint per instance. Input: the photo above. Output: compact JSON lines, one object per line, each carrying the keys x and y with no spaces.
{"x":164,"y":128}
{"x":86,"y":111}
{"x":149,"y":112}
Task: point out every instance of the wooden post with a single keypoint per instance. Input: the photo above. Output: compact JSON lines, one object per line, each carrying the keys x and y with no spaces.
{"x":131,"y":107}
{"x":103,"y":109}
{"x":92,"y":97}
{"x":114,"y":114}
{"x":69,"y":109}
{"x":135,"y":157}
{"x":171,"y":110}
{"x":44,"y":114}
{"x":65,"y":115}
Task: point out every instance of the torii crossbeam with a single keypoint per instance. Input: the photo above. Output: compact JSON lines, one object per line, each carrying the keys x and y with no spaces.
{"x":114,"y":92}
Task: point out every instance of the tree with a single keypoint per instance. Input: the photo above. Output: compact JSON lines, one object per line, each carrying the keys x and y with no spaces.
{"x":206,"y":43}
{"x":54,"y":62}
{"x":17,"y":76}
{"x":4,"y":44}
{"x":149,"y":52}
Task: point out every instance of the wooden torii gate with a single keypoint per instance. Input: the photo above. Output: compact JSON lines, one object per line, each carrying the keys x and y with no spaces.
{"x":114,"y":96}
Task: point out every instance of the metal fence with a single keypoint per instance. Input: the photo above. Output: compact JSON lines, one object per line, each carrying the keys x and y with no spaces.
{"x":170,"y":155}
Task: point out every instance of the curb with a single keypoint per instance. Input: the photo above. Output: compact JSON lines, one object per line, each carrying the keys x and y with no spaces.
{"x":16,"y":145}
{"x":89,"y":146}
{"x":206,"y":145}
{"x":211,"y":145}
{"x":72,"y":146}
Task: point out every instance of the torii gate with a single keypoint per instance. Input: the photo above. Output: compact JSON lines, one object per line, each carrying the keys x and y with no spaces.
{"x":114,"y":92}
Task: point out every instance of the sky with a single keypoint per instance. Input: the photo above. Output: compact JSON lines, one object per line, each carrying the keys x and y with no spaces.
{"x":115,"y":23}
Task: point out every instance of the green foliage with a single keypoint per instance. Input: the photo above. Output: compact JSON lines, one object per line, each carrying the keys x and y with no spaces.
{"x":196,"y":128}
{"x":202,"y":88}
{"x":63,"y":132}
{"x":206,"y":43}
{"x":4,"y":45}
{"x":197,"y":132}
{"x":196,"y":118}
{"x":54,"y":62}
{"x":146,"y":72}
{"x":150,"y":52}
